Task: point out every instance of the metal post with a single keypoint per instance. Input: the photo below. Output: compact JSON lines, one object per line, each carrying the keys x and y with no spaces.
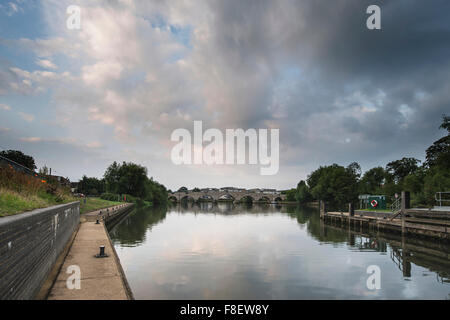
{"x":102,"y":253}
{"x":322,"y":209}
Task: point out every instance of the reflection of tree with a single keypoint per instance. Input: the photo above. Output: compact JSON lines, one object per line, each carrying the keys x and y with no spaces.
{"x":310,"y":217}
{"x":132,"y":229}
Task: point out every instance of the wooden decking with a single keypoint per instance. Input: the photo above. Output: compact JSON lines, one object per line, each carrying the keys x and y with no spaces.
{"x":407,"y":224}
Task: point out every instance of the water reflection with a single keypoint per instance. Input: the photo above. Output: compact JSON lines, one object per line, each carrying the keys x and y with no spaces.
{"x":132,"y":230}
{"x":224,"y":251}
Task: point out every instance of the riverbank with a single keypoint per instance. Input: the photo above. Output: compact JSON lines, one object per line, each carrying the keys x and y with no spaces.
{"x":13,"y":202}
{"x":93,"y":204}
{"x":100,"y":278}
{"x":21,"y":193}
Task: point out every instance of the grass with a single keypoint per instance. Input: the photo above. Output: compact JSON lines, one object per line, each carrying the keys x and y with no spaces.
{"x":20,"y":192}
{"x":377,"y":210}
{"x":93,"y":204}
{"x":13,"y":202}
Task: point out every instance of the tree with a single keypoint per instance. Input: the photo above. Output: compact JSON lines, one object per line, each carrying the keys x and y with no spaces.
{"x":291,"y":195}
{"x":155,"y":192}
{"x":130,"y":178}
{"x":303,"y":193}
{"x":438,"y":154}
{"x":183,"y":189}
{"x":372,"y":180}
{"x":355,"y":168}
{"x":436,"y":180}
{"x":112,"y":178}
{"x":335,"y":184}
{"x":91,"y":185}
{"x":196,"y":190}
{"x":20,"y":158}
{"x":397,"y":170}
{"x":44,"y":171}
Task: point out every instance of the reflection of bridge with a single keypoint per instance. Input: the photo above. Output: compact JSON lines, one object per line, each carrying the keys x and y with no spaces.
{"x":233,"y":196}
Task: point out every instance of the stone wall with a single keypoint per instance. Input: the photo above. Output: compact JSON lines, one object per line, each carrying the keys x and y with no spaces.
{"x":236,"y":196}
{"x":30,"y":243}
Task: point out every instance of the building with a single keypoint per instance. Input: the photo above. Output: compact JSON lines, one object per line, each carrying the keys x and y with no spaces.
{"x":270,"y":191}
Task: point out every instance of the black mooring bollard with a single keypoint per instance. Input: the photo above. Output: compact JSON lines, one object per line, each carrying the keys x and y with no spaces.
{"x":98,"y":222}
{"x":102,"y":253}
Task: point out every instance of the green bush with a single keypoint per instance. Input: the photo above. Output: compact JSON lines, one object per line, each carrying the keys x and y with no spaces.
{"x":110,"y":196}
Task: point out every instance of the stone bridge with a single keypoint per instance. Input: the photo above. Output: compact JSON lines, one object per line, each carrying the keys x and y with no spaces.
{"x":234,"y":196}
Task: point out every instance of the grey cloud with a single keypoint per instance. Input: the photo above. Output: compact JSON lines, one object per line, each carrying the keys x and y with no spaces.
{"x":337,"y":91}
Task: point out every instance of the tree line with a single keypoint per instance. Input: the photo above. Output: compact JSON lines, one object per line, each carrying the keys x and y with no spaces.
{"x":127,"y":179}
{"x":340,"y":185}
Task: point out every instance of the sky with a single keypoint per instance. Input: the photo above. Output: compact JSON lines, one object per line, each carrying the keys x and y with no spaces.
{"x":115,"y":89}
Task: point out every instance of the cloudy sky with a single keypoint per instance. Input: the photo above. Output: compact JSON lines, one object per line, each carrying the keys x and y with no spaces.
{"x":136,"y":70}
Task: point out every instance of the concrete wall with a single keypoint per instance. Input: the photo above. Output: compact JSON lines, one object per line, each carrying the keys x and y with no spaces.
{"x":30,"y":243}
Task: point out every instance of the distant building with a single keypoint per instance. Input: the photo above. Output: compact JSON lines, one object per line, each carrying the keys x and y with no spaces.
{"x":209,"y":189}
{"x":229,"y":189}
{"x":270,"y":191}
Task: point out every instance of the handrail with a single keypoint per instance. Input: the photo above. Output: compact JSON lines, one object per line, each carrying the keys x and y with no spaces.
{"x":396,"y":205}
{"x":440,"y":200}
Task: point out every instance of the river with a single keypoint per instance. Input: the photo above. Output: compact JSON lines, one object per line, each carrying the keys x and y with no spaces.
{"x":229,"y":251}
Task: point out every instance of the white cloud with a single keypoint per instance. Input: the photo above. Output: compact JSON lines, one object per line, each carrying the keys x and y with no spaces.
{"x":26,"y":116}
{"x":46,"y":64}
{"x":94,"y":144}
{"x":31,"y":139}
{"x":5,"y":107}
{"x":10,"y":8}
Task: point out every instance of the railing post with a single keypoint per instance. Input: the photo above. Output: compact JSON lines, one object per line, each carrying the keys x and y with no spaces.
{"x":322,"y":209}
{"x":405,"y":205}
{"x":351,"y":210}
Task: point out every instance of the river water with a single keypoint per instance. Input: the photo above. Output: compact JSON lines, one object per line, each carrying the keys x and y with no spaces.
{"x":229,"y":251}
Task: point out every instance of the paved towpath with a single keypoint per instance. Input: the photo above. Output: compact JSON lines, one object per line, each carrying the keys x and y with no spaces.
{"x":101,"y":278}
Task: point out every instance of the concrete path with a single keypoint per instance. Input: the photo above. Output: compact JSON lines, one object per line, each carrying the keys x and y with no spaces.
{"x":101,"y":278}
{"x":104,"y":213}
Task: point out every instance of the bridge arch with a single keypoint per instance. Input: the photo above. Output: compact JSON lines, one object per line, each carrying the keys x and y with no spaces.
{"x":226,"y":197}
{"x":233,"y":196}
{"x":264,"y":198}
{"x":205,"y":197}
{"x":187,"y":197}
{"x":247,"y":198}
